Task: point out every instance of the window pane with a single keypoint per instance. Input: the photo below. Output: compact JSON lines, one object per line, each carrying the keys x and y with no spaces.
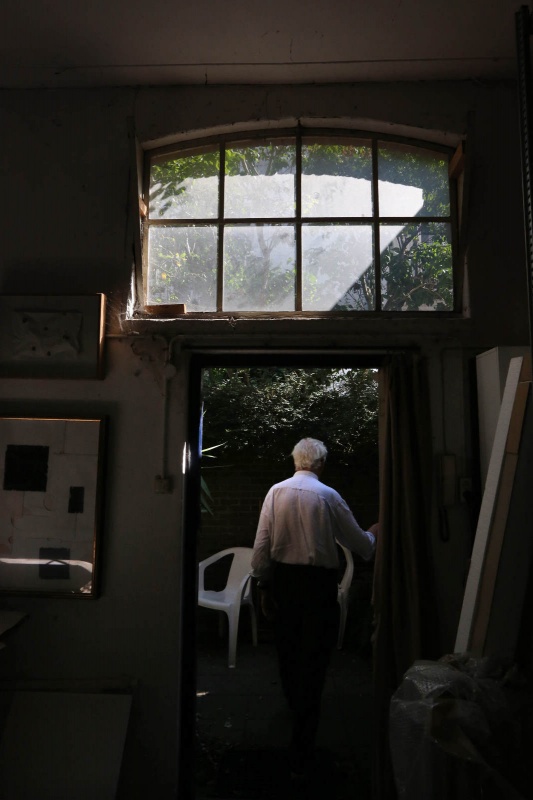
{"x":260,"y":182}
{"x":337,"y":268}
{"x":185,"y":188}
{"x":412,"y":182}
{"x":416,"y":267}
{"x":259,"y":268}
{"x":183,"y":266}
{"x":336,"y":180}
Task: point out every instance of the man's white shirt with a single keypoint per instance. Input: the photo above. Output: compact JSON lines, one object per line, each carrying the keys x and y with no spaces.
{"x":300,"y":521}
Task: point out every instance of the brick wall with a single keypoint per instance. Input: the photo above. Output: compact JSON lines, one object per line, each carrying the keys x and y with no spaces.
{"x":239,"y":485}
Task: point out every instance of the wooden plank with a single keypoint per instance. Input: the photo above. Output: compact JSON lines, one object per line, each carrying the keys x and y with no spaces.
{"x":503,"y":501}
{"x":488,"y":505}
{"x":491,"y":373}
{"x":516,"y":559}
{"x":480,"y":621}
{"x":526,"y":373}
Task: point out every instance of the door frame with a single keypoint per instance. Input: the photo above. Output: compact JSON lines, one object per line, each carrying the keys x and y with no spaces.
{"x":200,"y":360}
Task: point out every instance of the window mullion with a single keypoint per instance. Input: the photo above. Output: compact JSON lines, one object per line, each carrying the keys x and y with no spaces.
{"x":375,"y":215}
{"x":414,"y":220}
{"x":220,"y":249}
{"x":298,"y":224}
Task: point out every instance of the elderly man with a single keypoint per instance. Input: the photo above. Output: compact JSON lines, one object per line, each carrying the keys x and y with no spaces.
{"x":296,"y":562}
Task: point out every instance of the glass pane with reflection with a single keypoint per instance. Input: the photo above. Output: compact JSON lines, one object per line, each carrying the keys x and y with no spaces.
{"x":337,"y":268}
{"x":336,"y":180}
{"x":412,"y":182}
{"x":416,"y":267}
{"x":185,"y":187}
{"x":259,"y":268}
{"x":183,"y":266}
{"x":260,"y":182}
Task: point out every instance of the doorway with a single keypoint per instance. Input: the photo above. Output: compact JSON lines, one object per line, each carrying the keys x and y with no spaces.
{"x":217,"y":736}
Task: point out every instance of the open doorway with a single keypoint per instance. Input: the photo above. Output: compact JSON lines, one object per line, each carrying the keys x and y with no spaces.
{"x":241,"y":710}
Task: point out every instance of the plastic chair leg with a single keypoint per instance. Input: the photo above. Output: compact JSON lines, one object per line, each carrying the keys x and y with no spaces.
{"x":233,"y":624}
{"x":254,"y":624}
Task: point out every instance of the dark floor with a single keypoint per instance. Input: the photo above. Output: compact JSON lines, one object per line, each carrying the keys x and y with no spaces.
{"x":243,"y":725}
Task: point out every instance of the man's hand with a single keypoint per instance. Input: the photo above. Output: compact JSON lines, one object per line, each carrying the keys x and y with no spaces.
{"x":374,"y":530}
{"x":268,"y":604}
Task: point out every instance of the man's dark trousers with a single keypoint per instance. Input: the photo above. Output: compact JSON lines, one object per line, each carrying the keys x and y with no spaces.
{"x":305,"y":625}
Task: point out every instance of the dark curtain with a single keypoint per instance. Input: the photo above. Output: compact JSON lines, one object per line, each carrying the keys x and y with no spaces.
{"x":406,"y":627}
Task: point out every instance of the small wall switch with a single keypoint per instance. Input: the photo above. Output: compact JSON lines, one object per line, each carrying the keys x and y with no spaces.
{"x":162,"y":485}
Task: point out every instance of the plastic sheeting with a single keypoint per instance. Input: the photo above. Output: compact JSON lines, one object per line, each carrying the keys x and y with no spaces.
{"x":454,"y":731}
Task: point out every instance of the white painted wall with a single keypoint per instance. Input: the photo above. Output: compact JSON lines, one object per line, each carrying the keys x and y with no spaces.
{"x":132,"y":630}
{"x":64,"y":180}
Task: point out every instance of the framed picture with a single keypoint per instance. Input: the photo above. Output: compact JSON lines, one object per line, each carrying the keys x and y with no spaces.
{"x":50,"y":505}
{"x":51,"y":336}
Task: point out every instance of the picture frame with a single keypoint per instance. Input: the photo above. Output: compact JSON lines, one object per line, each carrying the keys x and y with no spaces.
{"x":51,"y":501}
{"x":52,"y":336}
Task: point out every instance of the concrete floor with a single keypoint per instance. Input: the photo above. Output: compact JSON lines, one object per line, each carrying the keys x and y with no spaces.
{"x":242,"y":717}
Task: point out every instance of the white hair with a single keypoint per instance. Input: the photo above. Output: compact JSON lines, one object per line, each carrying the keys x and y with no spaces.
{"x":309,"y":454}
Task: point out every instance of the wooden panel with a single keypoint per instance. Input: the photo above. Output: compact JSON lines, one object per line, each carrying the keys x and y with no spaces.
{"x":492,"y":557}
{"x":488,"y":506}
{"x":491,"y":373}
{"x":516,"y":556}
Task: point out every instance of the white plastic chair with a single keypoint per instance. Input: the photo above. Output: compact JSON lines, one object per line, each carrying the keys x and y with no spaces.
{"x":343,"y":593}
{"x":237,"y":593}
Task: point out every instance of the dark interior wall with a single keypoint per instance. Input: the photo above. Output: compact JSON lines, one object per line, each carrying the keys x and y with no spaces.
{"x":66,"y":160}
{"x":64,"y":171}
{"x":65,"y":179}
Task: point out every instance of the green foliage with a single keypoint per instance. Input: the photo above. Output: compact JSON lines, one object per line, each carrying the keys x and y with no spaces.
{"x":206,"y":499}
{"x":265,"y":411}
{"x":346,"y":160}
{"x":169,"y":179}
{"x":417,"y":270}
{"x":184,"y":265}
{"x":260,"y":269}
{"x":269,"y":159}
{"x":423,"y":170}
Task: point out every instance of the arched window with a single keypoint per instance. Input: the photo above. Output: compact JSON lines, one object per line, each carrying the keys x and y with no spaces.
{"x":307,"y":223}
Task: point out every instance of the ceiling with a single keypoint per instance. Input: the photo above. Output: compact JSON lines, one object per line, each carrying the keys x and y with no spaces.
{"x":64,"y":43}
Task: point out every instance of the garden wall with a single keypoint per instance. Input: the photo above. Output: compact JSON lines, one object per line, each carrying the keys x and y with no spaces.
{"x":238,"y":487}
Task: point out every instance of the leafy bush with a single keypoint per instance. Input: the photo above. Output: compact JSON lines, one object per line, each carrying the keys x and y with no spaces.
{"x":266,"y":410}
